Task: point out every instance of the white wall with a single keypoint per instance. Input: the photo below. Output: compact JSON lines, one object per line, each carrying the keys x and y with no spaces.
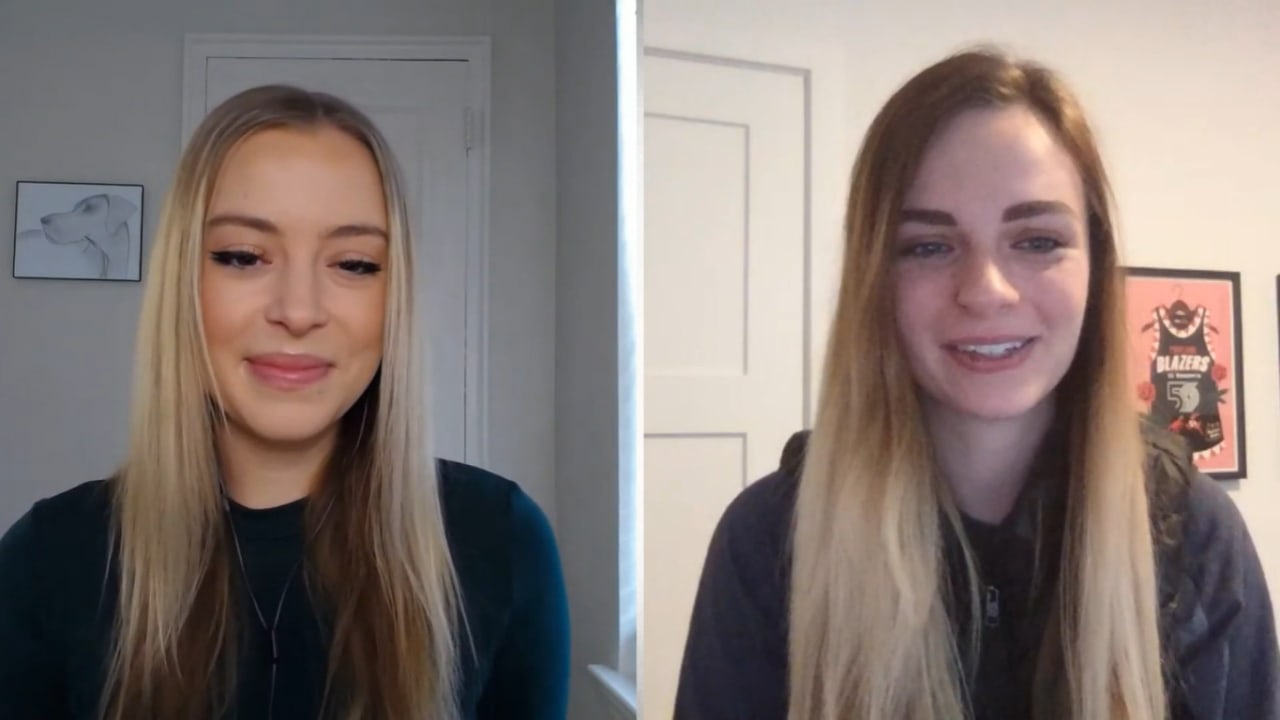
{"x":93,"y":91}
{"x":588,"y":449}
{"x":1184,"y":97}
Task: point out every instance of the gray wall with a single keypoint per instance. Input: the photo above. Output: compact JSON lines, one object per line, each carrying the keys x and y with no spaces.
{"x":587,"y":310}
{"x":92,"y":92}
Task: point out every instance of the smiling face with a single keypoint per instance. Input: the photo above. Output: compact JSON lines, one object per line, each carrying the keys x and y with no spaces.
{"x":291,"y":286}
{"x":991,"y":268}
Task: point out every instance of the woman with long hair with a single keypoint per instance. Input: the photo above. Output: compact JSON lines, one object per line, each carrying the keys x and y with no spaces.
{"x":979,"y":525}
{"x":279,"y":542}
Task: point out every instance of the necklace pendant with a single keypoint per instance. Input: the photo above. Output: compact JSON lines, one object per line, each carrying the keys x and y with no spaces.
{"x":991,"y":616}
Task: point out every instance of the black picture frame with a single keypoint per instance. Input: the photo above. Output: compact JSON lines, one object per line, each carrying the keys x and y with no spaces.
{"x":66,"y":230}
{"x":1228,"y":289}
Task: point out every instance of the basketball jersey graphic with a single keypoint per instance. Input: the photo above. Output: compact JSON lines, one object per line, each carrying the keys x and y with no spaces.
{"x":1186,"y":394}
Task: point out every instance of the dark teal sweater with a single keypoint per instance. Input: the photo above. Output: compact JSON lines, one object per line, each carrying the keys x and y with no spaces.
{"x":57,"y":609}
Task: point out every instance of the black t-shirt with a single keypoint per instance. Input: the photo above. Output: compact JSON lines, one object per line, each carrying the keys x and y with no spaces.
{"x":1224,"y":646}
{"x":56,"y":611}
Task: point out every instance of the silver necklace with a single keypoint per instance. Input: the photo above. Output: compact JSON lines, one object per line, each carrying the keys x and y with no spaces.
{"x":270,"y":629}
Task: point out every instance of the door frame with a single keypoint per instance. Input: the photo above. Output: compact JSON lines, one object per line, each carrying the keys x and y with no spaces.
{"x":198,"y":49}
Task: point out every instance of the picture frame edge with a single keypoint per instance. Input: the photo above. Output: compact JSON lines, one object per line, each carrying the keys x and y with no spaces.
{"x":142,"y":225}
{"x":1234,"y":279}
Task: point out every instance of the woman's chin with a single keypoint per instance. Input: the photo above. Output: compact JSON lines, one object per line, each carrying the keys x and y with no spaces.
{"x":1003,"y":408}
{"x":290,"y":429}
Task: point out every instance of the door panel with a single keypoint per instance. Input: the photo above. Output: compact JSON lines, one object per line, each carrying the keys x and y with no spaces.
{"x":703,"y":223}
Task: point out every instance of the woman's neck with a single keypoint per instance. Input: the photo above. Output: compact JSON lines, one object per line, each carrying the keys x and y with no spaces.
{"x":261,"y":474}
{"x":986,"y":462}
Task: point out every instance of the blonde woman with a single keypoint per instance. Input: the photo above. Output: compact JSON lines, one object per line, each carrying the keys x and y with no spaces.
{"x":979,"y":526}
{"x":278,"y":543}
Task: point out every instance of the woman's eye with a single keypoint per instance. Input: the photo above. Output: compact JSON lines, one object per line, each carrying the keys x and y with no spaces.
{"x":240,"y":259}
{"x":360,"y":267}
{"x":1039,"y":244}
{"x":924,"y":249}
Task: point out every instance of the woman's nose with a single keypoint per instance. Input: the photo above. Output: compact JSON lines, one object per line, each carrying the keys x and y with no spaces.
{"x":298,"y":301}
{"x":983,"y":285}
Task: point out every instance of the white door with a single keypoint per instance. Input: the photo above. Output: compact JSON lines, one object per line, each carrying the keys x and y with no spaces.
{"x":421,"y":106}
{"x":724,"y":316}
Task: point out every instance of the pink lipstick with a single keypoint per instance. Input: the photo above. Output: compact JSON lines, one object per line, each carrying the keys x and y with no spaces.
{"x":284,"y":371}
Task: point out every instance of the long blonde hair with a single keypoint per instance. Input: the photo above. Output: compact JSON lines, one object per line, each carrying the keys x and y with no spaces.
{"x":871,"y":633}
{"x":379,"y":566}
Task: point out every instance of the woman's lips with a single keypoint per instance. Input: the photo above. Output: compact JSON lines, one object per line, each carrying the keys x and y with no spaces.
{"x":289,"y":372}
{"x":990,"y":355}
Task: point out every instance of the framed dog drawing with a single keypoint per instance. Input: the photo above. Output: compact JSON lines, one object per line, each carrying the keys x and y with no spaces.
{"x":78,"y":231}
{"x":1186,"y":358}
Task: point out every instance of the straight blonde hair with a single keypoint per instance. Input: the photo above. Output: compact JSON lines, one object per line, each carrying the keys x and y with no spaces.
{"x":871,"y":633}
{"x":379,"y":567}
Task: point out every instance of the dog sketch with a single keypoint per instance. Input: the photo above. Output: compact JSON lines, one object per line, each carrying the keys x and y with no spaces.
{"x":91,"y":240}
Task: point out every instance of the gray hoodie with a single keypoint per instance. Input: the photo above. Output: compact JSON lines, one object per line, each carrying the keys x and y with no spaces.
{"x":1217,"y":626}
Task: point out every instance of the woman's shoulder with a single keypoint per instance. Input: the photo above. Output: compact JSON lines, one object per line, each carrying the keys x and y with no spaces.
{"x":1222,"y":561}
{"x":1214,"y":522}
{"x":752,"y":537}
{"x":468,"y":492}
{"x":55,"y":555}
{"x":92,"y":497}
{"x":1195,"y":521}
{"x":1223,"y":634}
{"x":1190,"y":509}
{"x":739,"y":617}
{"x":64,"y":521}
{"x":492,"y":522}
{"x":508,"y":565}
{"x":1215,"y":605}
{"x":762,"y":511}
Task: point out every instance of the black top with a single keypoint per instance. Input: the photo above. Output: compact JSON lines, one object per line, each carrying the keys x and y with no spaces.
{"x":1216,"y":613}
{"x":54,"y":632}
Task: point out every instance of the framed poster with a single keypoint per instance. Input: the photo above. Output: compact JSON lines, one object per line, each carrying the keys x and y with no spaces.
{"x":1185,"y":350}
{"x":79,"y":231}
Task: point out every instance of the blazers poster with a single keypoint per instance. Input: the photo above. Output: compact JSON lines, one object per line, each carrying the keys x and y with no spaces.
{"x":1185,"y":354}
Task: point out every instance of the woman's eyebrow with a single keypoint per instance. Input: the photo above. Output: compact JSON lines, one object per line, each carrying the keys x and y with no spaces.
{"x":1034,"y":208}
{"x":927,"y":217}
{"x":265,"y":226}
{"x":262,"y":225}
{"x":1018,"y":211}
{"x":358,"y":230}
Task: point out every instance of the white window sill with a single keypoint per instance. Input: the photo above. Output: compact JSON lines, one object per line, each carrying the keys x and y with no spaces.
{"x":619,"y":689}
